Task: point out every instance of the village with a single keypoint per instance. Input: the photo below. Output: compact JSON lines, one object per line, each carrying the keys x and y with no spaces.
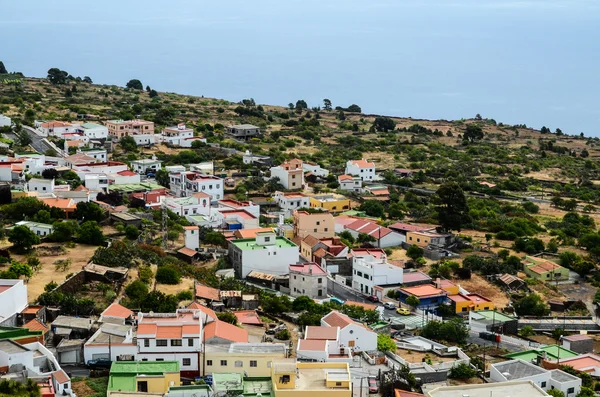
{"x":170,"y":276}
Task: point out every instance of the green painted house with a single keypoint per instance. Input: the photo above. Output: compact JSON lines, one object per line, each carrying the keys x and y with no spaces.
{"x":544,"y":270}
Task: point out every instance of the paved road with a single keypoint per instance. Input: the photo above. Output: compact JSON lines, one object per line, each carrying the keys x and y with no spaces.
{"x":474,"y":338}
{"x":77,"y":371}
{"x":37,"y":142}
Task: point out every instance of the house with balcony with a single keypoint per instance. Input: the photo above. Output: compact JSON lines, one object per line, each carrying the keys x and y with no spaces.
{"x":176,"y":135}
{"x":121,"y":128}
{"x":92,"y":130}
{"x":322,"y":344}
{"x":350,"y":183}
{"x":363,"y":169}
{"x":184,"y":184}
{"x":291,"y":201}
{"x":54,"y":128}
{"x":145,"y":166}
{"x":353,"y":335}
{"x":97,"y":153}
{"x":369,"y":273}
{"x":290,"y":174}
{"x":249,"y":359}
{"x":266,"y":253}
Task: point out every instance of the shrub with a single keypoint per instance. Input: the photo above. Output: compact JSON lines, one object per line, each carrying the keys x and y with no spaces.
{"x":228,"y":317}
{"x":168,"y":275}
{"x":185,"y":295}
{"x":462,"y":371}
{"x":284,"y":334}
{"x":145,"y":274}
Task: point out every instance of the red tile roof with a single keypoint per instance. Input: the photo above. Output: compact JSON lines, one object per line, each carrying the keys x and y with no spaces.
{"x":55,"y":124}
{"x":197,"y":306}
{"x":337,"y":319}
{"x":116,"y":310}
{"x":169,"y":332}
{"x":345,"y":177}
{"x":32,"y":309}
{"x":187,"y":252}
{"x":249,"y":317}
{"x":308,"y":268}
{"x":312,"y":344}
{"x":226,"y":331}
{"x":147,"y":329}
{"x":320,"y":332}
{"x":126,"y":173}
{"x":423,"y":291}
{"x":202,"y":291}
{"x":363,"y":163}
{"x":251,"y":233}
{"x":377,"y":253}
{"x":60,"y":376}
{"x":36,"y":325}
{"x":190,"y":329}
{"x":369,"y":227}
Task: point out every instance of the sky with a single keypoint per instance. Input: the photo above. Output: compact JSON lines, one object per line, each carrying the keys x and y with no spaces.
{"x":519,"y":62}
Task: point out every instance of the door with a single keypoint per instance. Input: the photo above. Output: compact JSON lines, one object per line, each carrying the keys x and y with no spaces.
{"x":142,"y":386}
{"x":350,"y":343}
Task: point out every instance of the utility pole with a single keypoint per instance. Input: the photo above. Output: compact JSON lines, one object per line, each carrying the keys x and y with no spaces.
{"x":165,"y":223}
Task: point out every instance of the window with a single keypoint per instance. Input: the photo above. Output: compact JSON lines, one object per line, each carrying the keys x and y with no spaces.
{"x":339,"y":384}
{"x":326,"y":229}
{"x":161,"y":342}
{"x":543,"y":385}
{"x":303,"y":279}
{"x":209,"y":362}
{"x":210,"y":187}
{"x":187,"y":361}
{"x":320,"y":293}
{"x":253,"y":363}
{"x":315,"y":230}
{"x":239,"y":364}
{"x":176,"y":342}
{"x":223,"y":363}
{"x":218,"y":186}
{"x":160,"y":359}
{"x":318,"y":223}
{"x":570,"y":390}
{"x":464,"y":309}
{"x":144,"y":359}
{"x":146,"y":342}
{"x":294,"y":277}
{"x":190,"y":342}
{"x":359,"y":274}
{"x":320,"y":281}
{"x":267,"y":239}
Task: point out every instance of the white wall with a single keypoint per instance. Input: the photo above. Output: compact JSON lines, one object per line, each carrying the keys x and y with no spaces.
{"x":366,"y":174}
{"x":270,"y":259}
{"x":144,"y":139}
{"x":116,"y":350}
{"x":41,"y":185}
{"x":40,"y":229}
{"x":5,"y":121}
{"x":100,"y":132}
{"x":14,"y":299}
{"x":364,"y":340}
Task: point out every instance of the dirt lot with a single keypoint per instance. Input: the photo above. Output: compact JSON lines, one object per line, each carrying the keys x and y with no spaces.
{"x":186,"y":284}
{"x":418,"y":357}
{"x":479,"y":285}
{"x":80,"y":256}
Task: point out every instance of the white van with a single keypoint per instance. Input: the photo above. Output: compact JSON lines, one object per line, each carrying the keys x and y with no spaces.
{"x":389,"y":305}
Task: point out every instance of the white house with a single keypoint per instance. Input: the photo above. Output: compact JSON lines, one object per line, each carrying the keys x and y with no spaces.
{"x":235,"y":219}
{"x":290,"y":201}
{"x":175,"y":135}
{"x":352,"y":334}
{"x":192,"y":237}
{"x":513,"y":370}
{"x":308,"y":279}
{"x":13,"y":295}
{"x":350,"y":183}
{"x":315,"y":169}
{"x":97,"y":153}
{"x":196,"y":204}
{"x":41,"y":229}
{"x":114,"y":341}
{"x":247,"y":206}
{"x":290,"y":174}
{"x":96,"y":181}
{"x":144,"y":166}
{"x":174,"y":168}
{"x":109,"y":167}
{"x":173,"y":336}
{"x":184,"y":184}
{"x":187,"y":142}
{"x":368,"y":273}
{"x":93,"y":131}
{"x":125,"y":177}
{"x":384,"y":237}
{"x":322,"y":344}
{"x":206,"y":167}
{"x":361,"y":168}
{"x":54,"y":128}
{"x":6,"y":172}
{"x":250,"y":158}
{"x":5,"y":121}
{"x":266,"y":253}
{"x":144,"y":139}
{"x":116,"y":314}
{"x":40,"y":185}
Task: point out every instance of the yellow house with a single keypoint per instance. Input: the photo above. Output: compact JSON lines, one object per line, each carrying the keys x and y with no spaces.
{"x":143,"y":376}
{"x":251,"y":359}
{"x":330,"y":202}
{"x":319,"y":225}
{"x":471,"y":302}
{"x":295,"y":379}
{"x":423,"y":239}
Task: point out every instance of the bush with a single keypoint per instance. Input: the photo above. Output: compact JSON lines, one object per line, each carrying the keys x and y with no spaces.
{"x":228,"y":317}
{"x":462,"y":371}
{"x":132,"y":232}
{"x":454,"y":331}
{"x":136,"y":291}
{"x":531,"y":305}
{"x":185,"y":295}
{"x":145,"y":274}
{"x":168,"y":275}
{"x":385,"y":343}
{"x":284,"y":334}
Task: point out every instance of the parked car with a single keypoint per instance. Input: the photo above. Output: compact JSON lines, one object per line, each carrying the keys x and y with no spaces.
{"x":373,"y":388}
{"x":403,"y":311}
{"x":373,"y":299}
{"x":208,"y":379}
{"x":99,"y":363}
{"x":389,"y":305}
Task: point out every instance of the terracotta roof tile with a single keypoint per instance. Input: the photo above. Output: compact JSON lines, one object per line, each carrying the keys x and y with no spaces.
{"x":169,"y":332}
{"x":311,"y":240}
{"x":36,"y":325}
{"x":116,"y":310}
{"x":251,"y":233}
{"x":319,"y":332}
{"x":204,"y":292}
{"x":225,"y":331}
{"x":363,"y":163}
{"x":312,"y":344}
{"x":60,"y":376}
{"x":337,"y":319}
{"x":147,"y":329}
{"x":248,"y":317}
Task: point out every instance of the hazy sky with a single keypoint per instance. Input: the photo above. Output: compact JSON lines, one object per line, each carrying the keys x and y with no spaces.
{"x":531,"y":62}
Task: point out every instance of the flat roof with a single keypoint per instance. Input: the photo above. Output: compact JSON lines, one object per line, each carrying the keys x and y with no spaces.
{"x":552,"y":352}
{"x":227,"y":382}
{"x":423,"y":291}
{"x":512,"y":389}
{"x":144,"y":367}
{"x":10,"y":347}
{"x":250,"y":244}
{"x":493,"y":315}
{"x":260,"y":348}
{"x":518,"y":369}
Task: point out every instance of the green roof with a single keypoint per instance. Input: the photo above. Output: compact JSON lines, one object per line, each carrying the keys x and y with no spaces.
{"x":227,"y":382}
{"x":551,"y":352}
{"x":197,"y":218}
{"x":249,"y":244}
{"x":494,"y":316}
{"x":91,"y":125}
{"x":17,"y":333}
{"x":256,"y":386}
{"x":136,"y":187}
{"x":123,"y":374}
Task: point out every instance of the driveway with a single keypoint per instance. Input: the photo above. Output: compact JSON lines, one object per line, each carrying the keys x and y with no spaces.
{"x":582,"y":291}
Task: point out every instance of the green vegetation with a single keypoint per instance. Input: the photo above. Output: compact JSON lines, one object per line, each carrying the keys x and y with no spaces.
{"x":453,"y":331}
{"x":385,"y":343}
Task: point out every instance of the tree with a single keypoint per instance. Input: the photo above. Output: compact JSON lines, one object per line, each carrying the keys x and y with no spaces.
{"x":301,"y":105}
{"x":43,"y":216}
{"x":373,"y":208}
{"x":87,"y":79}
{"x":90,"y":233}
{"x":64,"y":231}
{"x":3,"y":68}
{"x":10,"y":387}
{"x":24,"y":138}
{"x":50,"y":173}
{"x":462,"y":371}
{"x":34,"y":263}
{"x":414,"y":252}
{"x":57,"y":76}
{"x":473,"y":133}
{"x":162,"y":177}
{"x":586,"y":392}
{"x":132,"y":232}
{"x":364,"y":238}
{"x":128,"y":144}
{"x":413,"y":301}
{"x":453,"y":330}
{"x":228,"y":317}
{"x":354,"y":109}
{"x":384,"y":124}
{"x":168,"y":275}
{"x":385,"y":343}
{"x":153,"y":94}
{"x":22,"y":238}
{"x":136,"y":291}
{"x":89,"y":211}
{"x":531,"y":305}
{"x":135,"y":84}
{"x":326,"y":104}
{"x":526,"y":331}
{"x":451,"y":206}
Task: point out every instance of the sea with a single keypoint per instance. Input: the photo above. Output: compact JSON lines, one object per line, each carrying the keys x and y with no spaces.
{"x":533,"y":62}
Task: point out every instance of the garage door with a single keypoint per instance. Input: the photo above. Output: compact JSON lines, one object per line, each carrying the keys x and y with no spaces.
{"x":99,"y":355}
{"x":68,"y":357}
